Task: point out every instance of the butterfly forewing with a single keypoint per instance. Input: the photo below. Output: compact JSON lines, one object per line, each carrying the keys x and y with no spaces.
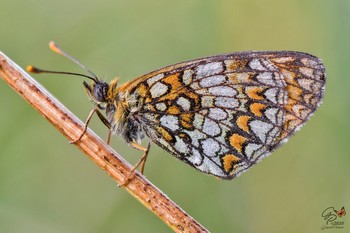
{"x":222,"y":114}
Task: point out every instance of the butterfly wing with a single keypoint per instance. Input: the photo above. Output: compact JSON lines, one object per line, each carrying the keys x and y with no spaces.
{"x":223,"y":114}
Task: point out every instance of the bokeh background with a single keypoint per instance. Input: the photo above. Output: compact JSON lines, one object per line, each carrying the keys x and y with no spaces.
{"x":48,"y":185}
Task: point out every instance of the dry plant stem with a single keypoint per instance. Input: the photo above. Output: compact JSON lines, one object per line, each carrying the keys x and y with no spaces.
{"x":105,"y":157}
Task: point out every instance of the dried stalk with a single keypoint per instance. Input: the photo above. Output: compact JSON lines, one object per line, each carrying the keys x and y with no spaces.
{"x":105,"y":157}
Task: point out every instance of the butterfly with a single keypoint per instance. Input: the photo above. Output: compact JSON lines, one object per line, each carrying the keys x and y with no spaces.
{"x":341,"y":212}
{"x":220,"y":114}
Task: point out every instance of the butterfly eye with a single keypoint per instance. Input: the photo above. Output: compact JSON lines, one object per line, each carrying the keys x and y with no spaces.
{"x":100,"y":91}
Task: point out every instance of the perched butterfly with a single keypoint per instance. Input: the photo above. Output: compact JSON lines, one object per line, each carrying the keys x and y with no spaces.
{"x":220,"y":114}
{"x":340,"y":212}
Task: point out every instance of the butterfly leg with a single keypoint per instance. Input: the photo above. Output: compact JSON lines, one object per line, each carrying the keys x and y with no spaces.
{"x":102,"y":118}
{"x":109,"y":136}
{"x":141,"y":161}
{"x":106,"y":123}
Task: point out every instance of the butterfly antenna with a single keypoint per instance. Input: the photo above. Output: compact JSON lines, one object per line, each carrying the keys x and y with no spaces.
{"x":37,"y":70}
{"x":55,"y":48}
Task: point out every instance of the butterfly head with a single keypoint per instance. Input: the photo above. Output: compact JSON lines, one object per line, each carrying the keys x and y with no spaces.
{"x":98,"y":92}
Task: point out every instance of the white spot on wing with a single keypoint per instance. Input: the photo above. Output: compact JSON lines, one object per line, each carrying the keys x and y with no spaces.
{"x":181,"y":146}
{"x":266,"y":78}
{"x":195,"y":86}
{"x":255,"y":64}
{"x":251,"y":148}
{"x":271,"y":114}
{"x":309,"y":62}
{"x":222,"y":91}
{"x":308,"y":72}
{"x":301,"y":111}
{"x":170,"y":122}
{"x":212,"y":81}
{"x":305,"y":83}
{"x":198,"y":121}
{"x":208,"y":166}
{"x":195,"y":158}
{"x":210,"y":127}
{"x":184,"y":103}
{"x":209,"y":69}
{"x":195,"y":136}
{"x":158,"y":89}
{"x":154,"y":79}
{"x":226,"y":102}
{"x":210,"y":147}
{"x":271,"y":94}
{"x":217,"y":113}
{"x":260,"y":129}
{"x":161,"y":106}
{"x":187,"y":77}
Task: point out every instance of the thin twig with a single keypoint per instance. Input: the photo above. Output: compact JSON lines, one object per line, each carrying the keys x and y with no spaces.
{"x":94,"y":147}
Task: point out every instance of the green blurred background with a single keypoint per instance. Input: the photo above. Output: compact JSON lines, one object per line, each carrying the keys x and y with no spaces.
{"x":48,"y":185}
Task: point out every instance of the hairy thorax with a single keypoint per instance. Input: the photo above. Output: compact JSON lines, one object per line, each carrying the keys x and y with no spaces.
{"x":121,"y":110}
